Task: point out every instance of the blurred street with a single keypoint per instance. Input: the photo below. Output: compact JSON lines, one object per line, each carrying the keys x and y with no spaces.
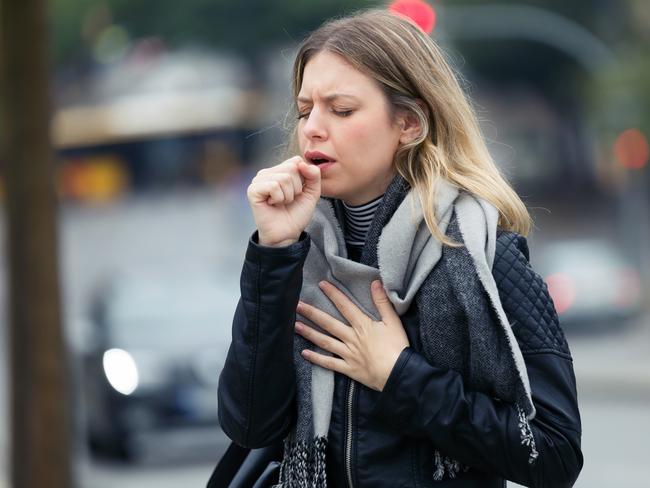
{"x":184,"y":231}
{"x":612,"y":366}
{"x":613,"y":377}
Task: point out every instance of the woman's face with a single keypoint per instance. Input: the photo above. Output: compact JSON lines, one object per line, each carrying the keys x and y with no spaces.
{"x":344,"y":115}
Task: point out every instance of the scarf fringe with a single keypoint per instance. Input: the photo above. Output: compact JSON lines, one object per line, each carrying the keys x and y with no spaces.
{"x":303,"y":464}
{"x":446,"y":466}
{"x":526,"y":434}
{"x":449,"y":467}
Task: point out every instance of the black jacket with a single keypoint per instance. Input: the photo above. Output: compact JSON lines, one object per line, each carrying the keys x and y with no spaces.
{"x":386,"y":439}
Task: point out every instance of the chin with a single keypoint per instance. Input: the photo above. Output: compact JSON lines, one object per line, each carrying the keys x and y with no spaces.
{"x":326,"y":192}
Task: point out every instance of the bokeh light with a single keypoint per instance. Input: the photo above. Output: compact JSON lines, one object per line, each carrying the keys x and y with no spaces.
{"x":416,"y":10}
{"x":631,"y":149}
{"x":562,"y":290}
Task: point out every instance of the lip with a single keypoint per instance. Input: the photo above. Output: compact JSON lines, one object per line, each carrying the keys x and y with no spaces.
{"x":325,"y":166}
{"x":309,"y":155}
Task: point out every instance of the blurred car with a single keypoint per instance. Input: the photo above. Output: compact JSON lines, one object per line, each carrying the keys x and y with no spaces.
{"x":592,"y":283}
{"x":157,"y":346}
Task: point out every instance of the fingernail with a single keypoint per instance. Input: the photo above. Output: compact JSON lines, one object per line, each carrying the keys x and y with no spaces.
{"x":298,"y":326}
{"x":376,"y":285}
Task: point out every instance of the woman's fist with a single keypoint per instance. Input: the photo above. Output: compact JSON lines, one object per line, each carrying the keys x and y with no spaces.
{"x":283,"y":199}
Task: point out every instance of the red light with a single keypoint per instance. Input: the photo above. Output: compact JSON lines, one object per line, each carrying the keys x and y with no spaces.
{"x":631,"y":149}
{"x":562,"y":290}
{"x":418,"y":11}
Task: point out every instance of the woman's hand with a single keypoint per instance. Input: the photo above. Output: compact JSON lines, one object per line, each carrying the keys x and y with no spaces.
{"x":283,"y":199}
{"x":368,"y":350}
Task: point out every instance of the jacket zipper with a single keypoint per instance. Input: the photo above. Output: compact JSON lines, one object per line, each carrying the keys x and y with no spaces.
{"x":351,"y":384}
{"x":348,"y":440}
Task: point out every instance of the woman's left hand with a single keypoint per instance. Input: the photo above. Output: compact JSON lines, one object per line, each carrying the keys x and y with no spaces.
{"x":368,"y":350}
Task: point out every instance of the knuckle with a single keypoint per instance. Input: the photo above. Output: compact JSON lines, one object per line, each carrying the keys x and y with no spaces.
{"x":329,"y":343}
{"x":287,"y":164}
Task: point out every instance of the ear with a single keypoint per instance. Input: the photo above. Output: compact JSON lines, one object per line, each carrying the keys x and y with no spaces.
{"x":409,"y":124}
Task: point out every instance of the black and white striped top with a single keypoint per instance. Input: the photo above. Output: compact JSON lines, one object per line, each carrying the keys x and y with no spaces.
{"x":358,"y":219}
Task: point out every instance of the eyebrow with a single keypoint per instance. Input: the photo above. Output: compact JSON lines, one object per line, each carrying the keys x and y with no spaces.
{"x":328,"y":98}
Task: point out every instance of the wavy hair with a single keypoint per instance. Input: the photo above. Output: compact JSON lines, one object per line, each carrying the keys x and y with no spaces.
{"x":414,"y":75}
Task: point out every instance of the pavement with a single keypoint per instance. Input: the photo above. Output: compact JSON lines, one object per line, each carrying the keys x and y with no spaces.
{"x":615,"y":362}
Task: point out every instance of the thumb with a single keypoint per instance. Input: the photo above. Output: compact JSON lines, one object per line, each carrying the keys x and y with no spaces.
{"x":311,"y":173}
{"x":384,"y":305}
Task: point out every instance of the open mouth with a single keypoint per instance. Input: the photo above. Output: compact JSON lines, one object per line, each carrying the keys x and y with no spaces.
{"x":318,"y":158}
{"x":318,"y":161}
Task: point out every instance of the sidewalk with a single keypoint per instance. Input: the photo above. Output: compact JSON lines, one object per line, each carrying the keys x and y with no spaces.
{"x":614,"y":363}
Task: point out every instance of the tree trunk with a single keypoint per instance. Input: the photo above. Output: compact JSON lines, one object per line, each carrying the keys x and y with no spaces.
{"x":40,"y":418}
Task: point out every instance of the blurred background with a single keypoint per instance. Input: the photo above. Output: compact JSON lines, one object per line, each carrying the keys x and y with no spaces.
{"x":163,"y":112}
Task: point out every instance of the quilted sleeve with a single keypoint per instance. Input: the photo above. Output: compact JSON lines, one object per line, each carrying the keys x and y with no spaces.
{"x":535,"y":323}
{"x":526,"y":299}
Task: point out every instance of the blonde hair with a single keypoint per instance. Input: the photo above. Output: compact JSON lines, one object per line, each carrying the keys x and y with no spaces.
{"x":414,"y":75}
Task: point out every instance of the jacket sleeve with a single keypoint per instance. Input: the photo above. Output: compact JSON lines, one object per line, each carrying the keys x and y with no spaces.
{"x":481,"y":431}
{"x":257,"y":383}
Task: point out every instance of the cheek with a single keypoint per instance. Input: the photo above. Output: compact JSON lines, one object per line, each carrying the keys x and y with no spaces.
{"x":362,"y":134}
{"x":370,"y":139}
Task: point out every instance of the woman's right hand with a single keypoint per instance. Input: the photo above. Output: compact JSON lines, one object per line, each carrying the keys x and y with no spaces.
{"x":283,"y":199}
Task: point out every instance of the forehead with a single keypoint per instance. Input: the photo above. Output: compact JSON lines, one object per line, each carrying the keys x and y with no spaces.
{"x":327,"y":73}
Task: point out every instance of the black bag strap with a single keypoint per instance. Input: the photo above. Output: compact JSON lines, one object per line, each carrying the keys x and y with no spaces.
{"x":227,"y":467}
{"x":270,"y":476}
{"x":241,"y":467}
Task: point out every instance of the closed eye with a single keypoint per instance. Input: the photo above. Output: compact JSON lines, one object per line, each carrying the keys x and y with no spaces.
{"x":342,"y":113}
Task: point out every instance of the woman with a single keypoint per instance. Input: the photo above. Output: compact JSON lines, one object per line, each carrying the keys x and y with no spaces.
{"x":427,"y":352}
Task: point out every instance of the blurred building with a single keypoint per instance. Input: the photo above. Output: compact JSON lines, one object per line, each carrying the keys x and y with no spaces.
{"x":156,"y":119}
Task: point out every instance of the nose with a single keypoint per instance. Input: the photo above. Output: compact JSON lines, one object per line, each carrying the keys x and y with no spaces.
{"x":314,"y":125}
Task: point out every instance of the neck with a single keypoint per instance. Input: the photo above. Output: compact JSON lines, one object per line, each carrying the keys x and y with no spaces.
{"x":358,"y":219}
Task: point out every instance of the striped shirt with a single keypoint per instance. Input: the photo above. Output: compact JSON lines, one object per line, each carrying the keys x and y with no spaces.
{"x":358,"y":219}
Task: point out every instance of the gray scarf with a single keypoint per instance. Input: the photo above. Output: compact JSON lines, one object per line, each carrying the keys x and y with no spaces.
{"x":462,"y":322}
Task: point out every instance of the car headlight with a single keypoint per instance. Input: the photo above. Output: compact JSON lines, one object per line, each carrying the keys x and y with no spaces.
{"x":120,"y":370}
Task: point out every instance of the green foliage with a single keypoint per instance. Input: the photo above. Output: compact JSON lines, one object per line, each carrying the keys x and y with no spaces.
{"x":65,"y":26}
{"x":239,"y":25}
